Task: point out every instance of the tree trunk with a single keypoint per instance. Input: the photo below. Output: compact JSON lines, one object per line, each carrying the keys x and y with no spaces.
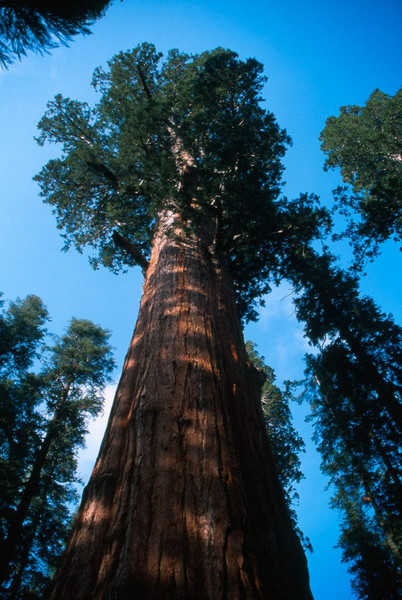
{"x":13,"y":539}
{"x":184,"y":501}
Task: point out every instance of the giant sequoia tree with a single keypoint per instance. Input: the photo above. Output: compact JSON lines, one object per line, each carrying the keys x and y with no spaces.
{"x":180,"y":157}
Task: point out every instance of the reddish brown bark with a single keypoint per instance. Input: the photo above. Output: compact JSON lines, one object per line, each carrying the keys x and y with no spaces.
{"x":184,"y":502}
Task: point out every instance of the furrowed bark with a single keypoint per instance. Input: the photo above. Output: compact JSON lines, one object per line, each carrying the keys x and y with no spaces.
{"x":184,"y":502}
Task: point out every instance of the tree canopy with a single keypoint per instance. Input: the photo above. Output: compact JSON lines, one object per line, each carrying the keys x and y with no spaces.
{"x":41,"y":25}
{"x":364,"y":142}
{"x":118,"y":168}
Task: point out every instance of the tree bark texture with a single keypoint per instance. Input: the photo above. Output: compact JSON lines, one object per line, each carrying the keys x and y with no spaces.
{"x":184,"y":502}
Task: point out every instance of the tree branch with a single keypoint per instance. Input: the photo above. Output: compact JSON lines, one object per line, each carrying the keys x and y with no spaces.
{"x":84,"y":136}
{"x":131,"y":249}
{"x":144,"y":83}
{"x":102,"y":169}
{"x":217,"y":205}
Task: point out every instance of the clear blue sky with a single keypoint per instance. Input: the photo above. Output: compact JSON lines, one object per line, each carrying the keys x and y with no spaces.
{"x":318,"y":56}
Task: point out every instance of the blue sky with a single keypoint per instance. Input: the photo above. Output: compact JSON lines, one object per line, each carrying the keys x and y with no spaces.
{"x":318,"y":56}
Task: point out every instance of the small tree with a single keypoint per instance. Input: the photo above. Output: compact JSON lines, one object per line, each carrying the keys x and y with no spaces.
{"x":286,"y":443}
{"x":22,"y":331}
{"x":41,"y":451}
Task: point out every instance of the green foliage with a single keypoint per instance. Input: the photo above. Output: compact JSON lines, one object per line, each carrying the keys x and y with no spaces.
{"x":22,"y":330}
{"x":41,"y":25}
{"x":365,"y":143}
{"x":188,"y":133}
{"x":355,"y":390}
{"x":375,"y":571}
{"x":285,"y":442}
{"x":43,"y":417}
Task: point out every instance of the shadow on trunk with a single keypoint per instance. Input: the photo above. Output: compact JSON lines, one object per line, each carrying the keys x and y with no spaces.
{"x":184,"y":501}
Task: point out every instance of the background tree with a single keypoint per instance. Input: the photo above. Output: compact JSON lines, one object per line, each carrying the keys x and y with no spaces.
{"x":22,"y":330}
{"x":355,"y":394}
{"x":365,"y":143}
{"x":375,"y":572}
{"x":286,"y":443}
{"x":39,"y":453}
{"x":41,"y":25}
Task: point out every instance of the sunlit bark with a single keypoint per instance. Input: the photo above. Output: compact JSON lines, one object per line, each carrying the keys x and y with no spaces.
{"x":184,"y":500}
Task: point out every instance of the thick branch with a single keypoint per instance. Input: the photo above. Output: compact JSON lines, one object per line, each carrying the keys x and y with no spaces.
{"x":132,"y":249}
{"x":144,"y":83}
{"x":103,"y":170}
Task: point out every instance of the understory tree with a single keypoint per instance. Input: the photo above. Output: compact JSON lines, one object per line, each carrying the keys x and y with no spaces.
{"x":41,"y":25}
{"x":285,"y":442}
{"x":43,"y":415}
{"x":364,"y":142}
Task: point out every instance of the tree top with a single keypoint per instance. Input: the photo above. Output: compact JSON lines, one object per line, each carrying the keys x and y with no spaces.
{"x":178,"y":132}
